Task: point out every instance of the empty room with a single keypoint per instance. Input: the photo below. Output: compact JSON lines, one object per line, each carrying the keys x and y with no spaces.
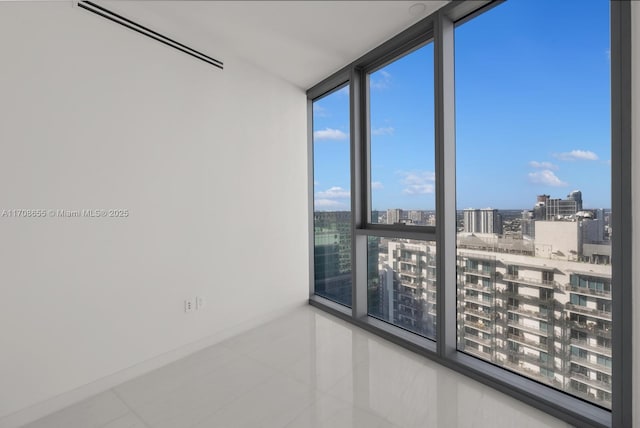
{"x":305,"y":213}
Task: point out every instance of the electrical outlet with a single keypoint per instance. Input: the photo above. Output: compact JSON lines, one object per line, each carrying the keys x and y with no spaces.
{"x":199,"y":303}
{"x":189,"y":305}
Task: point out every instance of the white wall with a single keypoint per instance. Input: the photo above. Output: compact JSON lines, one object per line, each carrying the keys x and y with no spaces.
{"x":635,"y":132}
{"x":211,"y":165}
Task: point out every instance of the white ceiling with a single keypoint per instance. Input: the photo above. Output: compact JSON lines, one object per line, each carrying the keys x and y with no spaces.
{"x":300,"y":41}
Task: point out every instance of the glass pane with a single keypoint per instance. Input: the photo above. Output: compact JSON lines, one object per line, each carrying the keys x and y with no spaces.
{"x":332,"y":202}
{"x":402,"y":140}
{"x":533,"y":143}
{"x":402,"y":283}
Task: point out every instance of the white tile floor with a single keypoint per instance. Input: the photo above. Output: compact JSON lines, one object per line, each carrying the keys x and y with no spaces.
{"x":307,"y":369}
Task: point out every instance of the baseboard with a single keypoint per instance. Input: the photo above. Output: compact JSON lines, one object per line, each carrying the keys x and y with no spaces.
{"x":65,"y":399}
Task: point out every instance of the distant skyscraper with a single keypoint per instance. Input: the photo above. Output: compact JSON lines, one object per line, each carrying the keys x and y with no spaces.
{"x":554,"y":209}
{"x":417,"y":217}
{"x":332,"y":254}
{"x":394,"y":215}
{"x":576,"y":195}
{"x":486,"y":220}
{"x":528,"y":224}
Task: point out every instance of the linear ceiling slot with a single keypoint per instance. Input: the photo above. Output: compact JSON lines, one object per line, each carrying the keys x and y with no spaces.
{"x":112,"y":16}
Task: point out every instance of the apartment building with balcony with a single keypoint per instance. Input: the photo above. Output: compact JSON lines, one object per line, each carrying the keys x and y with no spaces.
{"x":549,"y":318}
{"x":407,"y":278}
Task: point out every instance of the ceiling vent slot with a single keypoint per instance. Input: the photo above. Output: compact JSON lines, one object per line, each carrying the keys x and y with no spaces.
{"x":112,"y":16}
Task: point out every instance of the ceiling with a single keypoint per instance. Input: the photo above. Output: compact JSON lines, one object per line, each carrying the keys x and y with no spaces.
{"x":300,"y":41}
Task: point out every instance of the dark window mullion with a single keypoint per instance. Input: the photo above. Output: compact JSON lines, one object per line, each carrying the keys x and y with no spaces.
{"x":445,"y":185}
{"x":359,"y":193}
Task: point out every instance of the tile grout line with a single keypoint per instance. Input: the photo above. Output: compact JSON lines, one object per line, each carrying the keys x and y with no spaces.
{"x":242,"y":394}
{"x":236,"y":354}
{"x":140,"y":418}
{"x":78,"y":403}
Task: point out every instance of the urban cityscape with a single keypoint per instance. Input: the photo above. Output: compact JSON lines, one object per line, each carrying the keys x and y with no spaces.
{"x":533,"y":286}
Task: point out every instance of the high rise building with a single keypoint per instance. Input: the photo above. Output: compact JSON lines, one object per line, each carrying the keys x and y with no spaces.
{"x":417,"y":217}
{"x":552,"y":209}
{"x":394,"y":215}
{"x":407,"y":285}
{"x":528,"y":224}
{"x":539,"y":304}
{"x":332,"y":254}
{"x":544,"y":312}
{"x":486,"y":220}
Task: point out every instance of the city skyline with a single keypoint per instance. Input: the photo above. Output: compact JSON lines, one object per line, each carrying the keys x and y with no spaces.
{"x":460,"y":209}
{"x":547,"y":133}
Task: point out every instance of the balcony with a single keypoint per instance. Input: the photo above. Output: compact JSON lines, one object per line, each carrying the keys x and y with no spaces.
{"x":409,"y":272}
{"x":475,"y":256}
{"x":407,"y":283}
{"x":585,"y":362}
{"x":521,"y":340}
{"x":521,"y":326}
{"x":604,"y":386}
{"x":476,"y":299}
{"x":477,"y":272}
{"x":477,"y":339}
{"x":591,"y":328}
{"x":531,"y":314}
{"x":584,"y":344}
{"x":477,"y":353}
{"x":478,"y":326}
{"x":531,"y":359}
{"x":477,"y":286}
{"x":588,"y":311}
{"x":553,"y":285}
{"x":589,"y":292}
{"x":479,"y":313}
{"x":504,"y":294}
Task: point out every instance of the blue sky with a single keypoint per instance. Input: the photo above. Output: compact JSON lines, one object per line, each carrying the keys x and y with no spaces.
{"x":532,"y":114}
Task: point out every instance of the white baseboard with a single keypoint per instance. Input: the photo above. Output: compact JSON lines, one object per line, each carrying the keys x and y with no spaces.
{"x":65,"y":399}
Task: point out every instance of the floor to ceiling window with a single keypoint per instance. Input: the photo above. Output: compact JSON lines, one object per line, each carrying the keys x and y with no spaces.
{"x":331,"y":196}
{"x":401,"y":274}
{"x":533,"y":146}
{"x":483,"y":196}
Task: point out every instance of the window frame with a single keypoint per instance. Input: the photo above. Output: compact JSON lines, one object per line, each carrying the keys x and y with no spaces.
{"x":439,"y":29}
{"x":332,"y":86}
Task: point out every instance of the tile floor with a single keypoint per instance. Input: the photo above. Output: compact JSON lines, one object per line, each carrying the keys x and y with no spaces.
{"x":306,"y":369}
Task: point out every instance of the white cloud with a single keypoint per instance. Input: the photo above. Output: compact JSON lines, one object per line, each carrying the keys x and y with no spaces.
{"x":330,"y":134}
{"x":319,"y":111}
{"x":418,"y":182}
{"x":576,"y":155}
{"x":546,"y":177}
{"x":388,"y":130}
{"x":545,"y":165}
{"x":381,"y":83}
{"x":326,"y":203}
{"x":333,"y":193}
{"x":376,"y":185}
